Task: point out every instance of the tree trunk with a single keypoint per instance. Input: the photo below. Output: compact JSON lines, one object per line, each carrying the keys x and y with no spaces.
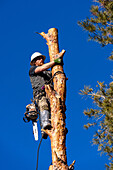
{"x":57,"y":104}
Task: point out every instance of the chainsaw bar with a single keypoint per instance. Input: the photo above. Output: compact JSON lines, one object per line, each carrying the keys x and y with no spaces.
{"x":35,"y":130}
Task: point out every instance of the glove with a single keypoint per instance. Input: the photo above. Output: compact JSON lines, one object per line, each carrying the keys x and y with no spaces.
{"x":58,"y":60}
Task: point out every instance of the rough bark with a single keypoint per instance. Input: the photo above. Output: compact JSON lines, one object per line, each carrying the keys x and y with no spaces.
{"x":57,"y":104}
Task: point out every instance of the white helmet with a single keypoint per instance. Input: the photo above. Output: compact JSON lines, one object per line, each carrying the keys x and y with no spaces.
{"x":35,"y":55}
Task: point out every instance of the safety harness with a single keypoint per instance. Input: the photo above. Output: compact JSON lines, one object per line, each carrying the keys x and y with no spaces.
{"x":58,"y":72}
{"x":49,"y":81}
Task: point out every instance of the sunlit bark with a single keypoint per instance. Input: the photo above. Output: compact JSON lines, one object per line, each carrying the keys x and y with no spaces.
{"x":57,"y":104}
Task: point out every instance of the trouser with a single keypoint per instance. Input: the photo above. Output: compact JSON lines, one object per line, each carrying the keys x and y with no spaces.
{"x":42,"y":103}
{"x":43,"y":106}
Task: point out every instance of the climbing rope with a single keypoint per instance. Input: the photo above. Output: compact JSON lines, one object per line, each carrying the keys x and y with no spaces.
{"x":38,"y":153}
{"x":58,"y":72}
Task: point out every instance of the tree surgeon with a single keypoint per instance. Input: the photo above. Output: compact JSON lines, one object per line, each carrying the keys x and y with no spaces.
{"x":40,"y":75}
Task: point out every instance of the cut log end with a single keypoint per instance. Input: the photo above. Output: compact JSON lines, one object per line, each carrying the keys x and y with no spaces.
{"x":53,"y":31}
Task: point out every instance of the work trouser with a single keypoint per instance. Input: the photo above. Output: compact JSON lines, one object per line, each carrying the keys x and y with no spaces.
{"x":42,"y":102}
{"x":43,"y":106}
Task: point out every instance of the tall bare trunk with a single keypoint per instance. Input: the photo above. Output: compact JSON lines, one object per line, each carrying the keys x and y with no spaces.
{"x":57,"y":104}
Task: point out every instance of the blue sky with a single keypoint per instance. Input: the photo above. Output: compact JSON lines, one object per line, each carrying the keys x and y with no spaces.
{"x":85,"y":63}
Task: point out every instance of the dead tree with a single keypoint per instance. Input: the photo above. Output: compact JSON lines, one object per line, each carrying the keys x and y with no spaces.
{"x":57,"y":97}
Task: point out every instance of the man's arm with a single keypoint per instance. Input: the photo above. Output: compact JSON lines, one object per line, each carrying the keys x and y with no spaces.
{"x":48,"y":65}
{"x":44,"y":67}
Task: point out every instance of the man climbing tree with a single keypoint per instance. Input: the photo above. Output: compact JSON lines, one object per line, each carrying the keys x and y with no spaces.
{"x":50,"y":86}
{"x":39,"y":76}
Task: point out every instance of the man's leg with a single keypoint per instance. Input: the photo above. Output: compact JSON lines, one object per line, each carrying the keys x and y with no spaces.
{"x":44,"y":115}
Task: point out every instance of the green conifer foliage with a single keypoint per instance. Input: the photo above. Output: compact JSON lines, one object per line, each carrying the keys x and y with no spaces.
{"x":100,"y":29}
{"x":100,"y":24}
{"x":102,"y":116}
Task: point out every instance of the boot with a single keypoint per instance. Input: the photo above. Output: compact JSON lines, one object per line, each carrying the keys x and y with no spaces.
{"x":45,"y":122}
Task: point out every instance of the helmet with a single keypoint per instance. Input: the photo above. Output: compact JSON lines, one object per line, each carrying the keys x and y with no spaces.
{"x":35,"y":55}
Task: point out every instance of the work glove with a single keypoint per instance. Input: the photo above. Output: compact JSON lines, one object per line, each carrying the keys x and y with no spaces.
{"x":58,"y":60}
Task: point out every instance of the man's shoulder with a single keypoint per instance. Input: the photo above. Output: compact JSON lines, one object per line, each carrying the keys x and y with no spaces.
{"x":32,"y":70}
{"x":32,"y":67}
